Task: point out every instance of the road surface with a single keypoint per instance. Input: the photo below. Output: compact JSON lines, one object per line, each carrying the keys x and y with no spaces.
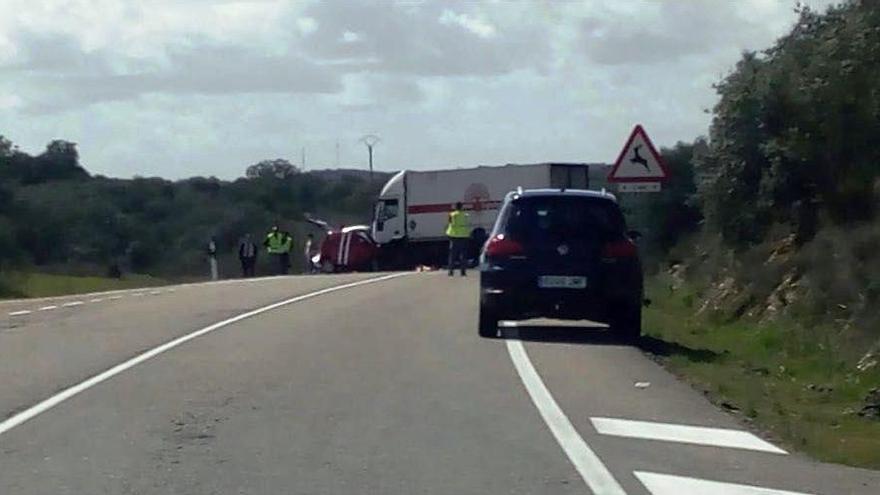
{"x":352,"y":384}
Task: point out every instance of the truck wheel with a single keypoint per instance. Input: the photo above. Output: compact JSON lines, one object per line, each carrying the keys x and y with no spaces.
{"x":488,"y":328}
{"x":627,"y":324}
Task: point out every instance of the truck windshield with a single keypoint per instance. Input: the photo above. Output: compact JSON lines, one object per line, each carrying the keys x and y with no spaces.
{"x":387,"y":209}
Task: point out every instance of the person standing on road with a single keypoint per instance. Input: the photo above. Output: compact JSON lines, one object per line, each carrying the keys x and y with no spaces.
{"x":275,"y":244}
{"x":458,"y":230}
{"x":247,"y":255}
{"x":307,"y":251}
{"x":285,"y":255}
{"x":212,"y":258}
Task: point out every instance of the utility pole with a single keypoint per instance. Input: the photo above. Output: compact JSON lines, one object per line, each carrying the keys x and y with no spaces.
{"x":303,"y":159}
{"x":337,"y":153}
{"x":370,"y":140}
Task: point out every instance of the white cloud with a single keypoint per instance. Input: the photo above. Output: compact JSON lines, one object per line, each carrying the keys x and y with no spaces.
{"x":306,"y":25}
{"x":174,"y":88}
{"x":350,"y":37}
{"x":477,"y":26}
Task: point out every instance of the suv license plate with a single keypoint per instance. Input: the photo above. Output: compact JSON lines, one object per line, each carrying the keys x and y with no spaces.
{"x":562,"y":282}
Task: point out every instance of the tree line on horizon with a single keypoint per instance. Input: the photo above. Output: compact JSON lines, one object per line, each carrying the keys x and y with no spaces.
{"x":55,"y":216}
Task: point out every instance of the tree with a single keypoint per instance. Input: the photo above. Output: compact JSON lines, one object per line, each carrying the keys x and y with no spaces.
{"x":795,"y":130}
{"x":5,"y":147}
{"x":278,"y":168}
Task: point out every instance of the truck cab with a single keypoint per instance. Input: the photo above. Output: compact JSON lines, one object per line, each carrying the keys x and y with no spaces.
{"x":389,"y":219}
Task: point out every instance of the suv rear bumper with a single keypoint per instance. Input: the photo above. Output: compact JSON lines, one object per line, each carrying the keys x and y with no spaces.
{"x":517,"y":296}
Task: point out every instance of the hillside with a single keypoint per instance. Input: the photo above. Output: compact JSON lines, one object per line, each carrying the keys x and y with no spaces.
{"x":56,"y":217}
{"x":765,"y":252}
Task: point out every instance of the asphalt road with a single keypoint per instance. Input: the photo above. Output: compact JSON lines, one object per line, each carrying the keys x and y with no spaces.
{"x":369,"y":387}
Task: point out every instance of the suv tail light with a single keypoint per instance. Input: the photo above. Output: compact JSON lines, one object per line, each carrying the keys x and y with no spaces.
{"x":502,"y":247}
{"x":623,"y":248}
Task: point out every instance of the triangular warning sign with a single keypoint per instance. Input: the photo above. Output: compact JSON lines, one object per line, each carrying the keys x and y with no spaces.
{"x":639,"y":161}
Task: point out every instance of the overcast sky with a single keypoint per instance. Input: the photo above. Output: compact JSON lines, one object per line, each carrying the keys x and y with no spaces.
{"x":177,"y":88}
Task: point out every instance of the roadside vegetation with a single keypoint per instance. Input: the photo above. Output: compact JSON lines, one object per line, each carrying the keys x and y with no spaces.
{"x":55,"y":217}
{"x":790,"y":380}
{"x":31,"y":284}
{"x":764,"y":255}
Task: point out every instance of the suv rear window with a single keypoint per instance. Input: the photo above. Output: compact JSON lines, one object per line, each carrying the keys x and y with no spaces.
{"x":569,"y":217}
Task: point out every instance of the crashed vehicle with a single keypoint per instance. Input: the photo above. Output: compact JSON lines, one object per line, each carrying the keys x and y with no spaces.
{"x":345,"y":249}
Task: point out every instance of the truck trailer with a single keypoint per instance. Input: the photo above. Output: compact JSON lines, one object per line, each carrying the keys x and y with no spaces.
{"x":410,"y":216}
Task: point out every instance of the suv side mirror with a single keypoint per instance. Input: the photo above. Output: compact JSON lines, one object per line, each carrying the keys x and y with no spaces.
{"x":634,"y":235}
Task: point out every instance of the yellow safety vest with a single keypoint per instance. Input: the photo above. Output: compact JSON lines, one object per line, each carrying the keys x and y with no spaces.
{"x":459,"y":225}
{"x":275,"y":243}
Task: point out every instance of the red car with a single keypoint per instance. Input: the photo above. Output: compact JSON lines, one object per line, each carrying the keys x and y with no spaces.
{"x":347,"y":249}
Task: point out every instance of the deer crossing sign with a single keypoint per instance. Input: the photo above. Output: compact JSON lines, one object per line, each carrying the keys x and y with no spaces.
{"x":639,"y":168}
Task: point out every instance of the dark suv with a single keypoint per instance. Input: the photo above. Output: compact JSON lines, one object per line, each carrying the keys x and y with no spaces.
{"x":561,"y":254}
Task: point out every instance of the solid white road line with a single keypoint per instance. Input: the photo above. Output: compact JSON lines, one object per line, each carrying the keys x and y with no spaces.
{"x":20,"y":313}
{"x":700,"y":435}
{"x":48,"y":308}
{"x":70,"y":392}
{"x":666,"y":484}
{"x":587,"y":463}
{"x":71,"y":304}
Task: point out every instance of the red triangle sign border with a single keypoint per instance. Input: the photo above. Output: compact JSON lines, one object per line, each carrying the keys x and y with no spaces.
{"x":637,"y":130}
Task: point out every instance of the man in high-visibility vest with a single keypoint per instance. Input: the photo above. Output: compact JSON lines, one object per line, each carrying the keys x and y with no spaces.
{"x":459,"y":232}
{"x":278,"y":245}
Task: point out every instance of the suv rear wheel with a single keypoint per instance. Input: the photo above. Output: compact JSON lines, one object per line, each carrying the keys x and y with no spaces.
{"x":488,"y":322}
{"x":627,"y":323}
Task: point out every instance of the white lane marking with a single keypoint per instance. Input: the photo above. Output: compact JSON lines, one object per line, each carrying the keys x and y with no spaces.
{"x":667,"y":484}
{"x":20,"y":313}
{"x":71,"y":304}
{"x":48,"y":308}
{"x":171,"y":288}
{"x":587,"y":463}
{"x":699,"y":435}
{"x":113,"y":298}
{"x":96,"y":300}
{"x":70,"y":392}
{"x":154,"y":292}
{"x":137,"y":294}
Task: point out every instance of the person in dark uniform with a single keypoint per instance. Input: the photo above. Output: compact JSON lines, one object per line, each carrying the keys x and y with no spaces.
{"x":247,"y":255}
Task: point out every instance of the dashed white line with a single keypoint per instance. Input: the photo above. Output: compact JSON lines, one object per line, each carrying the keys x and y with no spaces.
{"x":20,"y":313}
{"x":137,"y":294}
{"x":699,"y":435}
{"x":67,"y":393}
{"x":71,"y":304}
{"x":113,"y":298}
{"x":667,"y":484}
{"x":586,"y":462}
{"x":96,"y":300}
{"x":155,"y":292}
{"x":48,"y":308}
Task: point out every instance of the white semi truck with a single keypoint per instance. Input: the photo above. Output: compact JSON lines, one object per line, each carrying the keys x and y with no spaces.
{"x":410,"y":216}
